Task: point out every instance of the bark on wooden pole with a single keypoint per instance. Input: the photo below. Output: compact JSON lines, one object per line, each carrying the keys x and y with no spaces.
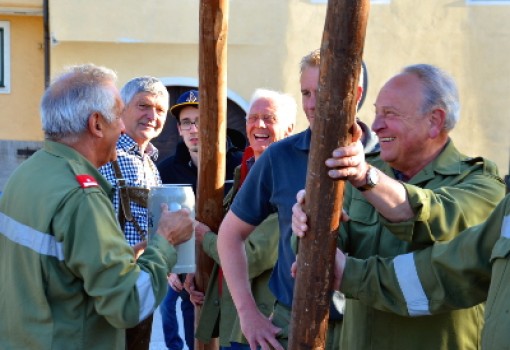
{"x":213,"y":110}
{"x":341,"y":56}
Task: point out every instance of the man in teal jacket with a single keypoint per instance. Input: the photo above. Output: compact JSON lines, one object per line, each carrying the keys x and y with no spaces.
{"x":471,"y":269}
{"x":69,"y":278}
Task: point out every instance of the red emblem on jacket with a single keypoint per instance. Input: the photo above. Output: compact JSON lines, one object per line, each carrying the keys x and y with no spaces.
{"x":86,"y":181}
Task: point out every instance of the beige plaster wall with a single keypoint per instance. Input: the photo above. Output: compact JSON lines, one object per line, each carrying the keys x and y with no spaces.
{"x":163,"y":40}
{"x":470,"y":42}
{"x":19,"y":109}
{"x":267,"y":39}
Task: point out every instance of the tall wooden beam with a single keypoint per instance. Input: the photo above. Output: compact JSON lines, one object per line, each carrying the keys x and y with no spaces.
{"x":213,"y":110}
{"x":341,"y":56}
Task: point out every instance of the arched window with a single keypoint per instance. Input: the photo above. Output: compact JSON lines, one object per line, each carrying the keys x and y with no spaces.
{"x":167,"y":141}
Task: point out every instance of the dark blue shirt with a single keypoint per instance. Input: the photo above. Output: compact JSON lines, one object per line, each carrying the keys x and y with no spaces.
{"x":271,"y":186}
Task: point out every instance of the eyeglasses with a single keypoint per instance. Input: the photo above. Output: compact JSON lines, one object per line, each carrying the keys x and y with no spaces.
{"x":186,"y":124}
{"x":266,"y":118}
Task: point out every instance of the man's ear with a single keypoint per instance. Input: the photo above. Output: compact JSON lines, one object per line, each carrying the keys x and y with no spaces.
{"x":437,"y":122}
{"x":96,"y":124}
{"x":289,"y":130}
{"x":179,"y":129}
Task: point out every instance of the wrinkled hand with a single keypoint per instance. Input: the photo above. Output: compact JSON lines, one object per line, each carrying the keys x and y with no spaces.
{"x":348,"y":163}
{"x":139,"y":248}
{"x":299,"y":226}
{"x":200,"y":230}
{"x":174,"y":282}
{"x":175,"y":226}
{"x":299,"y":219}
{"x":196,"y":297}
{"x":259,"y":331}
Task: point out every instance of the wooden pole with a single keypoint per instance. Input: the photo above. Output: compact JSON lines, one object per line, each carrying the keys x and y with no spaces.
{"x":341,"y":56}
{"x":213,"y":110}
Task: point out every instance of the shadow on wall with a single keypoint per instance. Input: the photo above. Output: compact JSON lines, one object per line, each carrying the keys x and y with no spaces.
{"x":12,"y":154}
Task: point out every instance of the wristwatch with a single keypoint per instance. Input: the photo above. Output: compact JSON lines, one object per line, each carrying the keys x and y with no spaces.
{"x":372,"y":179}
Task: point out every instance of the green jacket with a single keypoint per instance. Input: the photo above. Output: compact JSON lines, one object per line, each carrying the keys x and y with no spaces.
{"x":218,"y":315}
{"x":450,"y":194}
{"x":472,"y":268}
{"x":219,"y":311}
{"x":69,"y":279}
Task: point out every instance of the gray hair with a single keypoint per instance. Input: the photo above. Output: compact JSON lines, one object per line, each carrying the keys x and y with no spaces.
{"x":73,"y":97}
{"x":143,"y":84}
{"x":439,"y":90}
{"x":286,"y":108}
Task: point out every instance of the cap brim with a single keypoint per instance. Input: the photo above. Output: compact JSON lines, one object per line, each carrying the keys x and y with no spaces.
{"x":176,"y":109}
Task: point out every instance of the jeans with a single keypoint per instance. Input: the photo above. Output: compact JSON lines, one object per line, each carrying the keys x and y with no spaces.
{"x":169,"y":319}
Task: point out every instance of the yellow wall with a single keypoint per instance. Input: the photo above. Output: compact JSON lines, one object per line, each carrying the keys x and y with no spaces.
{"x":267,"y":39}
{"x":161,"y":38}
{"x":20,"y":108}
{"x":470,"y":42}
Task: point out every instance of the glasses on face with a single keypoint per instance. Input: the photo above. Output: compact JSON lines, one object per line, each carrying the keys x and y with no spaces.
{"x":186,"y":124}
{"x":266,"y":118}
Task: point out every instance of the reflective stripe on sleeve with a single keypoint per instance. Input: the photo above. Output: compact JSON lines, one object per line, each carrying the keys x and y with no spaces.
{"x":505,"y":228}
{"x":407,"y":276}
{"x":40,"y":242}
{"x":145,"y":295}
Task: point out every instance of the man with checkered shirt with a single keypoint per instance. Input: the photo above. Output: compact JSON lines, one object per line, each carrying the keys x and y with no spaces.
{"x":146,"y":102}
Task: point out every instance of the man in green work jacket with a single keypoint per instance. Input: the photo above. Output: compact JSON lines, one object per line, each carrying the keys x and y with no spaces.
{"x":419,"y":189}
{"x":271,"y":117}
{"x":69,"y":279}
{"x":470,"y":269}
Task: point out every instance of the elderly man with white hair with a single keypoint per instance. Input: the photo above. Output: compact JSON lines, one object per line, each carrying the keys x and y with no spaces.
{"x":271,"y":117}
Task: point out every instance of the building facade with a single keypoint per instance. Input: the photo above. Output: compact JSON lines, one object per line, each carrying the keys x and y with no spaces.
{"x":266,"y":40}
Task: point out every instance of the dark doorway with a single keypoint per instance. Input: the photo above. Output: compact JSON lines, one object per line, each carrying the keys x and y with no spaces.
{"x":167,"y":141}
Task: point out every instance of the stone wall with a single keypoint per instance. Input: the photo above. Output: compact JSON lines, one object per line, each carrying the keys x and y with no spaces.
{"x":12,"y":154}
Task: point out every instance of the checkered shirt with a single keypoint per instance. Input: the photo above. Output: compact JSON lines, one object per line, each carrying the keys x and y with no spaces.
{"x":139,"y":170}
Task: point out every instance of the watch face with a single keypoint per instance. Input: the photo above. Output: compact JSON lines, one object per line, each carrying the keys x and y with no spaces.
{"x":372,"y":177}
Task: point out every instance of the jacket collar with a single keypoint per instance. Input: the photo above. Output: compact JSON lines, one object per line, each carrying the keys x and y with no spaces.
{"x":448,"y":162}
{"x":78,"y":163}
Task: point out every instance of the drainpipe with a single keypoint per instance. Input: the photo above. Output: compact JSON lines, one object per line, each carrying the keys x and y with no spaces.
{"x":47,"y":42}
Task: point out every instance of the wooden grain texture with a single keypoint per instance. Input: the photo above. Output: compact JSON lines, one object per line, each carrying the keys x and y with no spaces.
{"x":212,"y":133}
{"x":341,"y":56}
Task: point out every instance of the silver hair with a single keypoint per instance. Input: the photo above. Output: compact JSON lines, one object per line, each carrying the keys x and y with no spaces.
{"x":143,"y":84}
{"x":439,"y":90}
{"x":73,"y":97}
{"x":286,"y":108}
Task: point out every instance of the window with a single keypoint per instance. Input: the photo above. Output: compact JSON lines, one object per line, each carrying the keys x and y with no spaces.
{"x":5,"y":54}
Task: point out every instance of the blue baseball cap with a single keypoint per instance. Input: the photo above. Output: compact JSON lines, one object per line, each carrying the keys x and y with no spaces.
{"x":189,"y":98}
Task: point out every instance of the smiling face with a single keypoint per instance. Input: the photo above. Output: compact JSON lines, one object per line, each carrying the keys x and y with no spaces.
{"x":409,"y":139}
{"x":263,"y":133}
{"x":145,"y":116}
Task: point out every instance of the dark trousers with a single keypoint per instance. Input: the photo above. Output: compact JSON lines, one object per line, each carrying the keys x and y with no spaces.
{"x":139,"y":337}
